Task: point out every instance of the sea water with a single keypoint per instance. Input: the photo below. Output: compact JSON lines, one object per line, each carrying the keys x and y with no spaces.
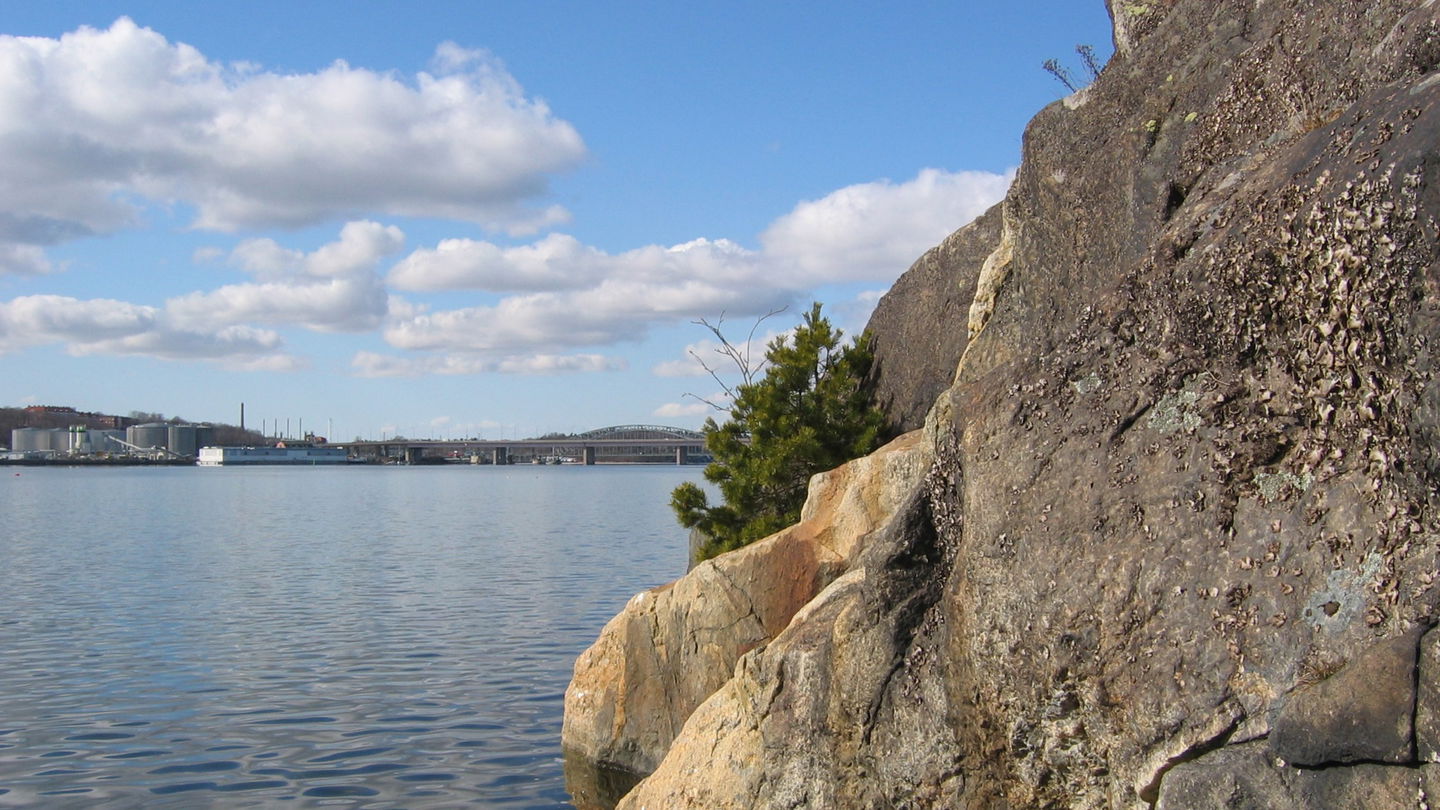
{"x":355,"y":636}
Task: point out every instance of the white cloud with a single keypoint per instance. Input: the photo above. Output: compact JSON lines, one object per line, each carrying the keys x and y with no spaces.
{"x":372,"y":364}
{"x":337,"y":305}
{"x":874,"y":231}
{"x":683,"y":409}
{"x":556,"y":262}
{"x":560,"y":364}
{"x":562,"y":295}
{"x":336,"y":288}
{"x":98,"y":117}
{"x":633,"y":292}
{"x":104,"y":326}
{"x":37,"y":320}
{"x":23,"y":260}
{"x":561,"y":262}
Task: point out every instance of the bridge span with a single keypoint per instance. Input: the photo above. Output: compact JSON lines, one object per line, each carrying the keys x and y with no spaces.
{"x":620,"y":444}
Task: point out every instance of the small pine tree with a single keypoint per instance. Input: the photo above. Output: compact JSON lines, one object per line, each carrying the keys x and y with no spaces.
{"x":807,"y":414}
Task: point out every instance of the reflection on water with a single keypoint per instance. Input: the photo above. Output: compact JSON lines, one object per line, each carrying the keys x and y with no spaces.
{"x":353,"y":637}
{"x":596,"y":787}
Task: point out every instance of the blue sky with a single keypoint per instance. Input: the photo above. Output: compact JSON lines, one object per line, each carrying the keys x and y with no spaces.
{"x":472,"y":218}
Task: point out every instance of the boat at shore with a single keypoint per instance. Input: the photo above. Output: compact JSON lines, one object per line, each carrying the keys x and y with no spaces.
{"x":283,"y":453}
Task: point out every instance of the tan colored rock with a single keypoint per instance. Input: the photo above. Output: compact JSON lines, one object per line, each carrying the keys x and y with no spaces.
{"x":672,"y":647}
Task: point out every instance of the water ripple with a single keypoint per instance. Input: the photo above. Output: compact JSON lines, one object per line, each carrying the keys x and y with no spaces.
{"x":370,"y":637}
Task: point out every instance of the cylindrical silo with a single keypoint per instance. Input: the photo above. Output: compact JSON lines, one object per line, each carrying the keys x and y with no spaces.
{"x":181,"y":440}
{"x":76,"y":440}
{"x":149,"y":436}
{"x":29,"y":440}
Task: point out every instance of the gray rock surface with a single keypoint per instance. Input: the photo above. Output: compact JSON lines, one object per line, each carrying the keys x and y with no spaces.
{"x":1243,"y":777}
{"x":1187,"y":471}
{"x":919,"y":326}
{"x":1363,"y":713}
{"x":1427,"y":700}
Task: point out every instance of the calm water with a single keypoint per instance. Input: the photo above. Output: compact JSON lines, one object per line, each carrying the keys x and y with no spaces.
{"x":307,"y":637}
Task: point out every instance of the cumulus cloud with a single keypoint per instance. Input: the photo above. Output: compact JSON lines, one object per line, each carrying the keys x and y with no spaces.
{"x":105,"y":326}
{"x":36,"y":320}
{"x":372,"y":364}
{"x":336,"y":288}
{"x":96,"y":118}
{"x":562,"y":295}
{"x":874,"y":231}
{"x":556,"y":262}
{"x":561,"y":262}
{"x":336,"y":305}
{"x":613,"y":298}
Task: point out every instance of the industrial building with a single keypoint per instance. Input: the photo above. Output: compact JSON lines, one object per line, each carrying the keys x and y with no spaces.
{"x":182,"y":440}
{"x":157,"y":439}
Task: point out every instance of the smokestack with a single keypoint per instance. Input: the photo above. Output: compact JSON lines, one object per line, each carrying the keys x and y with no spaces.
{"x":242,"y":417}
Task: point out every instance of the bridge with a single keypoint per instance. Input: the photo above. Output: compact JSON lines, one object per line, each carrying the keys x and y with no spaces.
{"x":619,"y":444}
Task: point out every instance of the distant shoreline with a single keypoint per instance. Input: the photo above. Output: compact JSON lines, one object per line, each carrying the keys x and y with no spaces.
{"x":98,"y":462}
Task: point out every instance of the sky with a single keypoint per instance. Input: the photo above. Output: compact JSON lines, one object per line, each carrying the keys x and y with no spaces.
{"x":495,"y":219}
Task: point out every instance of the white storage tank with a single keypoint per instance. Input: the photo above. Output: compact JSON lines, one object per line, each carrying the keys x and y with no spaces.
{"x":31,"y":440}
{"x":152,"y":435}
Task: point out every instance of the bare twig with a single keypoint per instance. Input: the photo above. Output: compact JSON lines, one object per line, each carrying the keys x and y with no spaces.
{"x":738,"y":355}
{"x":1060,"y":72}
{"x":1092,"y":64}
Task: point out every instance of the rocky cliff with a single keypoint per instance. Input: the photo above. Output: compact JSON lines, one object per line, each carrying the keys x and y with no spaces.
{"x":1175,"y":539}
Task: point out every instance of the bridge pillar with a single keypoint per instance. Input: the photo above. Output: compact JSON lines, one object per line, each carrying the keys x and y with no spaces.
{"x":682,"y":457}
{"x":412,"y":455}
{"x":500,"y":455}
{"x":589,"y":455}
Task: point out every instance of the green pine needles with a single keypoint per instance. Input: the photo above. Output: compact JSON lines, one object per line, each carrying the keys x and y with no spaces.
{"x":807,"y":414}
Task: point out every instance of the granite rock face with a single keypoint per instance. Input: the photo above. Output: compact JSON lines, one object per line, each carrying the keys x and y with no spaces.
{"x":1179,"y":536}
{"x":673,"y":646}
